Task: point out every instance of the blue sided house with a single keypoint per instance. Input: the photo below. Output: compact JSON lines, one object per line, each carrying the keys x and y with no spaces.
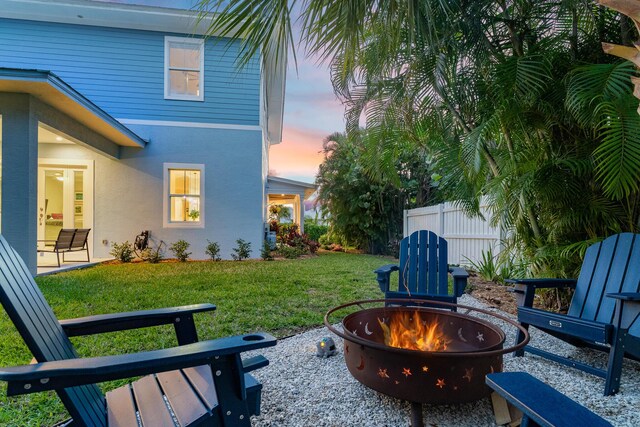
{"x":122,"y":117}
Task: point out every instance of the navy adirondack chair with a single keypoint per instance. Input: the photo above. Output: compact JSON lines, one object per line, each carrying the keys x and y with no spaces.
{"x":423,"y":272}
{"x":204,"y":383}
{"x":604,"y":310}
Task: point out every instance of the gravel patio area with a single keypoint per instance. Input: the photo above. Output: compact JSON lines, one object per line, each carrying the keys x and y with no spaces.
{"x":301,"y":389}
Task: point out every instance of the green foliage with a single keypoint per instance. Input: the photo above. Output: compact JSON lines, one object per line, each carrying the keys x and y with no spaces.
{"x":367,"y":210}
{"x":314,"y":230}
{"x":279,"y":213}
{"x":123,"y":252}
{"x":265,"y":252}
{"x":290,"y":252}
{"x":213,"y":250}
{"x":152,"y":255}
{"x":179,"y":250}
{"x":242,"y":251}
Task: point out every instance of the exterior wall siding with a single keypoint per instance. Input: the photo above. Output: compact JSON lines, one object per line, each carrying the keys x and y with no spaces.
{"x":129,"y":191}
{"x":122,"y":71}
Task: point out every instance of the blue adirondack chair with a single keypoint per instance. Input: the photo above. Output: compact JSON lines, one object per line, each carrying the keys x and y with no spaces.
{"x":205,"y":383}
{"x":423,"y":271}
{"x":604,"y":310}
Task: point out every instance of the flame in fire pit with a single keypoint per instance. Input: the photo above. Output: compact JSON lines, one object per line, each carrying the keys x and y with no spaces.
{"x":408,"y":330}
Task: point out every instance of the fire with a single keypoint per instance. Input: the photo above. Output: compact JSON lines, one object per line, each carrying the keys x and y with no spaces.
{"x":407,"y":330}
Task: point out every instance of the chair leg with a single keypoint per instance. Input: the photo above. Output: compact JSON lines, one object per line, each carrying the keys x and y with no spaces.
{"x":614,"y":368}
{"x":58,"y":257}
{"x":519,"y":339}
{"x":88,"y":259}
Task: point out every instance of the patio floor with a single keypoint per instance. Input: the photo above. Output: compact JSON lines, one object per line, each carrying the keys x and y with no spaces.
{"x":47,"y":263}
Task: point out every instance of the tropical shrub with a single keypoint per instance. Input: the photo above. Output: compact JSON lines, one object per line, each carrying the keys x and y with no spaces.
{"x":314,"y":230}
{"x":242,"y":251}
{"x":179,"y":250}
{"x":123,"y":252}
{"x":213,"y":250}
{"x":152,"y":255}
{"x":265,"y":252}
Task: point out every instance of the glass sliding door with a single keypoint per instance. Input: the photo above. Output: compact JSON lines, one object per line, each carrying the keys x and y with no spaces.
{"x":65,"y":195}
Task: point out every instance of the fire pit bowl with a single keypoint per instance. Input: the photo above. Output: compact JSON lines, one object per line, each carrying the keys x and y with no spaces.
{"x":449,"y":369}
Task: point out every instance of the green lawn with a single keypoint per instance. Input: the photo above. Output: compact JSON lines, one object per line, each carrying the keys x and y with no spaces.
{"x":280,"y":297}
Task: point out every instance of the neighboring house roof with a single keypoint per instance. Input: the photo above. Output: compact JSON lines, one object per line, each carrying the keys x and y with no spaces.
{"x":50,"y":89}
{"x":277,"y":185}
{"x":151,"y":18}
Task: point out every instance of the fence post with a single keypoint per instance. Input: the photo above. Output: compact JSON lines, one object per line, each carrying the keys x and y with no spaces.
{"x":405,"y":223}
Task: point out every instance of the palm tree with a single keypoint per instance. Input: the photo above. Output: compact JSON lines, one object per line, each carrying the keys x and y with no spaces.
{"x":500,"y":93}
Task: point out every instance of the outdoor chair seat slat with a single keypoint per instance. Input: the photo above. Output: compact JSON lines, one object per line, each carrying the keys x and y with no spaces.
{"x":121,"y":411}
{"x":183,"y":399}
{"x":151,"y":405}
{"x":202,"y":380}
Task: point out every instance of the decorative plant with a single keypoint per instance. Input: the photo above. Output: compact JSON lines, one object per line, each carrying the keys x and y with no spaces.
{"x":179,"y":249}
{"x":213,"y":250}
{"x":242,"y":251}
{"x":194,"y":214}
{"x":265,"y":252}
{"x":123,"y":252}
{"x":152,"y":255}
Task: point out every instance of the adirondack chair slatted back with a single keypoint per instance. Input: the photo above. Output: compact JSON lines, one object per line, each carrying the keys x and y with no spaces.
{"x":41,"y":331}
{"x":423,"y":264}
{"x":65,"y":238}
{"x":80,"y":238}
{"x":610,"y":266}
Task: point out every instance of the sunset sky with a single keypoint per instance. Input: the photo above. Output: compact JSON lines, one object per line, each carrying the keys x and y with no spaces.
{"x":311,"y":114}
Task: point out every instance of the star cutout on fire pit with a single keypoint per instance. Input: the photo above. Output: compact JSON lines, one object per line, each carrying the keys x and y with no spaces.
{"x":406,"y":372}
{"x":480,"y":337}
{"x":468,"y":373}
{"x":382,"y":373}
{"x":397,"y":382}
{"x":425,"y":369}
{"x":440,"y":383}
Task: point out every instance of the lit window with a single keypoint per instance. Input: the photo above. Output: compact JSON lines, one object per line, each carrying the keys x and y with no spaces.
{"x":184,"y":68}
{"x":184,"y":195}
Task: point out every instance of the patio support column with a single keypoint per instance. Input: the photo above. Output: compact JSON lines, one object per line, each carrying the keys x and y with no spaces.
{"x":300,"y":206}
{"x":20,"y":176}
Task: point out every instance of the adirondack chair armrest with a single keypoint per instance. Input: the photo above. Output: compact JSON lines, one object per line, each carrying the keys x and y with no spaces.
{"x":460,"y":277}
{"x":180,"y":317}
{"x":384,"y":276}
{"x":75,"y":372}
{"x":545,"y":283}
{"x":253,"y":363}
{"x":626,"y":296}
{"x":525,"y":289}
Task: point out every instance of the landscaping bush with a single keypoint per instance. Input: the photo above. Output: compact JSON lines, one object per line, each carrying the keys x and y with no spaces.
{"x":290,"y":252}
{"x":314,"y":230}
{"x":152,"y":255}
{"x":265,"y":252}
{"x":123,"y":252}
{"x":243,"y":250}
{"x":179,"y":250}
{"x":213,"y":250}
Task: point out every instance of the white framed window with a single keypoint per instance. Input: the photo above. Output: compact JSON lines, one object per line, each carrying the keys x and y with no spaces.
{"x":184,"y":68}
{"x":183,"y":200}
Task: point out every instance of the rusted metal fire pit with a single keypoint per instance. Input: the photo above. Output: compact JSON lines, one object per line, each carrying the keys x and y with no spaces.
{"x":451,"y":364}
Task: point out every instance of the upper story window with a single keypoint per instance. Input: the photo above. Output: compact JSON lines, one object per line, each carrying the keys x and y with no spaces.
{"x":184,"y":195}
{"x":184,"y":68}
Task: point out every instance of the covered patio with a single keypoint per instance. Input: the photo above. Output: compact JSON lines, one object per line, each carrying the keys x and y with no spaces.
{"x":283,"y":191}
{"x":37,"y":109}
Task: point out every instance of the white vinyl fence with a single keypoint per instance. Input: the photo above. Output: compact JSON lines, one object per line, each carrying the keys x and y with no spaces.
{"x":467,"y":237}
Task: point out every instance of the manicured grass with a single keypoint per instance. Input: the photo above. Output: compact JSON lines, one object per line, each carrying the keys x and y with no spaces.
{"x":280,"y":297}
